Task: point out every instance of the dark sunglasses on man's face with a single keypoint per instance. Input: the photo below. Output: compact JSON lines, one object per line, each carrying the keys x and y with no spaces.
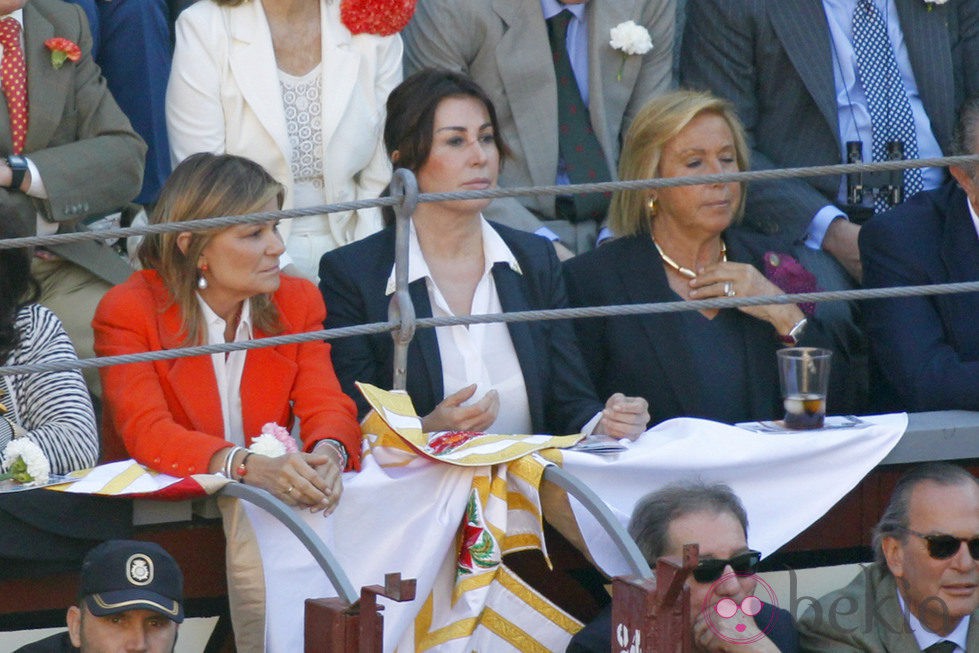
{"x":709,"y":570}
{"x":943,"y":547}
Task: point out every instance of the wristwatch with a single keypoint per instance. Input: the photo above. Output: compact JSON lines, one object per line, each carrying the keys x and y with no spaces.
{"x":791,"y":339}
{"x":18,"y":168}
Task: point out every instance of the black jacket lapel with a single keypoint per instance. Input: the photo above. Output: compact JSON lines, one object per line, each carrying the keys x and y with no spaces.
{"x":512,"y":298}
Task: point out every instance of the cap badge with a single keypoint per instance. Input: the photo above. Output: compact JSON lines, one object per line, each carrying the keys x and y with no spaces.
{"x":139,"y":569}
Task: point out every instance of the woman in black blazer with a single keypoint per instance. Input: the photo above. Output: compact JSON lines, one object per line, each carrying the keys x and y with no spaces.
{"x":515,"y":378}
{"x":677,"y":244}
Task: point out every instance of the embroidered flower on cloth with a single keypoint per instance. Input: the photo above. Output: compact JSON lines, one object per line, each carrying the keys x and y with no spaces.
{"x":381,"y":17}
{"x":478,"y":550}
{"x":446,"y":441}
{"x":25,"y":463}
{"x":62,"y":49}
{"x":630,"y":39}
{"x":274,"y":441}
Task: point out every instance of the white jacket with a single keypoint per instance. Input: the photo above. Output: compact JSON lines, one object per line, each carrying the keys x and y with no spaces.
{"x":224,"y":97}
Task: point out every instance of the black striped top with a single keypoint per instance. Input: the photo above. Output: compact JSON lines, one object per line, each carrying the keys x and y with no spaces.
{"x":51,"y":408}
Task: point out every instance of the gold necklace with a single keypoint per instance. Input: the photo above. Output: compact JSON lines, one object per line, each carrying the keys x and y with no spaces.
{"x":686,"y":272}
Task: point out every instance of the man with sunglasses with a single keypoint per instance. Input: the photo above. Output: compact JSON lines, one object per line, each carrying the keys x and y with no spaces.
{"x":725,"y":612}
{"x":923,"y":590}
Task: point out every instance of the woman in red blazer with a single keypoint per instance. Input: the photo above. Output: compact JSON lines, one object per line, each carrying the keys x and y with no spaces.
{"x":196,"y":415}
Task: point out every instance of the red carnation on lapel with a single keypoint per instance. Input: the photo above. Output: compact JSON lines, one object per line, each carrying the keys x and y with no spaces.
{"x":61,"y":49}
{"x":381,"y":17}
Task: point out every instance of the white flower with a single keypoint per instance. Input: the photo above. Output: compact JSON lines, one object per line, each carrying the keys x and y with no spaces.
{"x":31,"y":460}
{"x":631,"y":38}
{"x":267,"y":444}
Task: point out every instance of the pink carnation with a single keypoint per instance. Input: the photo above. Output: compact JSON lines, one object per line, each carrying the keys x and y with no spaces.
{"x":281,"y":434}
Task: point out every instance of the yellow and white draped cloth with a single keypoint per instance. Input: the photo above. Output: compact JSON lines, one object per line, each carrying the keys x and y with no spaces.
{"x":446,"y":525}
{"x":442,"y":508}
{"x":127,"y":478}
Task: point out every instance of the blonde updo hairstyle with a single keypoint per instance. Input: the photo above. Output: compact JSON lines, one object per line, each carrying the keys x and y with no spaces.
{"x":658,"y":122}
{"x":206,"y":186}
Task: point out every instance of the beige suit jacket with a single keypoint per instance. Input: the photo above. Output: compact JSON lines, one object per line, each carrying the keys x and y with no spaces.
{"x":865,"y":616}
{"x":503,"y":45}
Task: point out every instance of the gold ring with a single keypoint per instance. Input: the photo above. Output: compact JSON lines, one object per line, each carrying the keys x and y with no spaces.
{"x":729,"y":289}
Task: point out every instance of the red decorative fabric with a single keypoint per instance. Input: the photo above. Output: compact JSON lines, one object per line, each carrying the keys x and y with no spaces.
{"x":13,"y":74}
{"x":381,"y":17}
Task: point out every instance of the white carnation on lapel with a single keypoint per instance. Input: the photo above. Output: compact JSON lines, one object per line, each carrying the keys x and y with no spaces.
{"x":631,"y":38}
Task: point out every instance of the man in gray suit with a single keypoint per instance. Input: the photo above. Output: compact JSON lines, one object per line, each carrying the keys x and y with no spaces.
{"x":504,"y":46}
{"x":923,"y":591}
{"x":80,"y":159}
{"x":789,"y":68}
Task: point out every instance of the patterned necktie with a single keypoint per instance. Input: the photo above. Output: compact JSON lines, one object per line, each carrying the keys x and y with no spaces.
{"x":13,"y":74}
{"x":943,"y":646}
{"x":580,"y":150}
{"x":887,"y":98}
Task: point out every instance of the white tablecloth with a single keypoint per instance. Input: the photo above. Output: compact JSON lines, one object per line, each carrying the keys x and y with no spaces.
{"x":786,"y":480}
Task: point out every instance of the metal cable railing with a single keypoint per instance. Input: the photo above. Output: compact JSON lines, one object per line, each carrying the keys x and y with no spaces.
{"x":519,"y":316}
{"x":399,"y":197}
{"x":403,"y":323}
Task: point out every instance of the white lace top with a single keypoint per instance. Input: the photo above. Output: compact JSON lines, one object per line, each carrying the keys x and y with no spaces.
{"x":301,"y":101}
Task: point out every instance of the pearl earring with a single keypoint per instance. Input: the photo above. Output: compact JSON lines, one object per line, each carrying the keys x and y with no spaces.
{"x":202,"y":280}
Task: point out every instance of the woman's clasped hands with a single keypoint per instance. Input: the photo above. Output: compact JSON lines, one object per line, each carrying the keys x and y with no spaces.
{"x":305,"y":480}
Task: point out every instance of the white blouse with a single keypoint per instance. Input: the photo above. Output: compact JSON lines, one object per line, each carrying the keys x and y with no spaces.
{"x":228,"y":368}
{"x":479,"y":353}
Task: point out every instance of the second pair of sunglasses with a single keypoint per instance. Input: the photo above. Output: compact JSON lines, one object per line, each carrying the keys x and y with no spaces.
{"x":942,"y":546}
{"x":708,"y":570}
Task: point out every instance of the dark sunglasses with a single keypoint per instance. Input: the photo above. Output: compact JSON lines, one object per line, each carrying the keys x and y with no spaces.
{"x":943,"y":547}
{"x":709,"y":570}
